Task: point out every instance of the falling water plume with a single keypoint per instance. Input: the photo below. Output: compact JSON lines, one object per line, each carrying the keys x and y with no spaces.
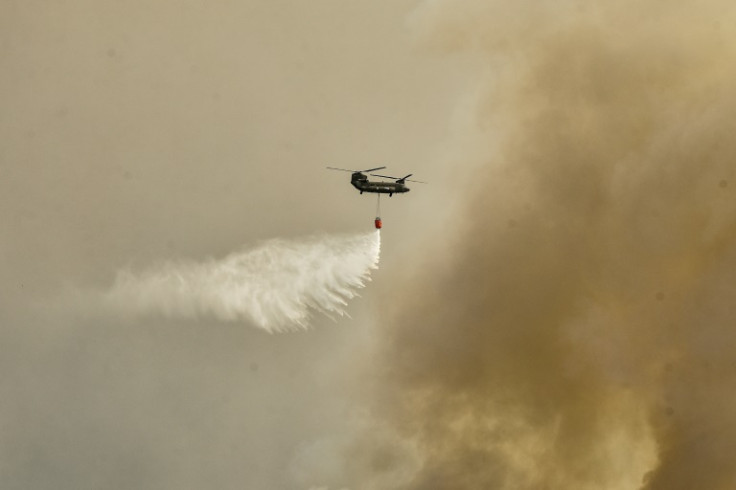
{"x":275,"y":285}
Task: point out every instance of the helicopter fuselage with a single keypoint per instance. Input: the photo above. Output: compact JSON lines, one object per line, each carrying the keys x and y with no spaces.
{"x":361,"y":182}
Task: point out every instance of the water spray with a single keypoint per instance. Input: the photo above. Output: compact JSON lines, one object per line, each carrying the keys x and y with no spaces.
{"x":276,"y":286}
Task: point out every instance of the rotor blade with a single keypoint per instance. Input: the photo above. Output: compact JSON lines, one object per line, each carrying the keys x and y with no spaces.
{"x":372,"y":169}
{"x":407,"y":179}
{"x":400,"y":178}
{"x":343,"y":169}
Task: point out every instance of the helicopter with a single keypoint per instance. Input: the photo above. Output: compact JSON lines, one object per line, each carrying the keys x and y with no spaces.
{"x":360,"y":181}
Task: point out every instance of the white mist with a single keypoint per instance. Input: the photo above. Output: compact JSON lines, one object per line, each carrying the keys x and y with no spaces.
{"x":276,"y":285}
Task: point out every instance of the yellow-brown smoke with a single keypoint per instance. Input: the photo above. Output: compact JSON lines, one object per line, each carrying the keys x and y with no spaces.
{"x":583,"y":334}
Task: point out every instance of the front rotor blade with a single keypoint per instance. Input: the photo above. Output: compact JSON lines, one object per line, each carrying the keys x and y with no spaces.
{"x":372,"y":169}
{"x":385,"y":176}
{"x":343,"y":169}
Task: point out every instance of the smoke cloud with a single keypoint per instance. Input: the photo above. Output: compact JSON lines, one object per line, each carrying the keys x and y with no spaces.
{"x":581,"y":334}
{"x":275,"y":286}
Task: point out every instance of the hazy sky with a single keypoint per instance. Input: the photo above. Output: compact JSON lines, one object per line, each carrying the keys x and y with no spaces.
{"x":136,"y":132}
{"x":554,"y":310}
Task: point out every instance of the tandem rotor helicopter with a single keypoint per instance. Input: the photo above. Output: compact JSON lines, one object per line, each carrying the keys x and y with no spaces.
{"x":360,"y":181}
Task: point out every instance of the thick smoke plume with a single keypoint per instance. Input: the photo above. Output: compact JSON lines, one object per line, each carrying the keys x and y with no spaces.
{"x":276,"y":285}
{"x":584,"y":334}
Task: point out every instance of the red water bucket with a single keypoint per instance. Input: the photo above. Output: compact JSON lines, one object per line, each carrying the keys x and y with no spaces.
{"x":378,"y":223}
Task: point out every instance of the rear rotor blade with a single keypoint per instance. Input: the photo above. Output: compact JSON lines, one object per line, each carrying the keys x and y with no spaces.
{"x":400,"y":179}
